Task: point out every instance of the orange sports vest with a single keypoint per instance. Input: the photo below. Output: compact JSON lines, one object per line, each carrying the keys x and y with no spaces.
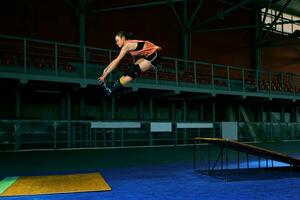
{"x":148,"y":49}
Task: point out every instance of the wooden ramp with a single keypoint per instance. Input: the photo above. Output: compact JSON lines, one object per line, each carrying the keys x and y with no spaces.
{"x":251,"y":149}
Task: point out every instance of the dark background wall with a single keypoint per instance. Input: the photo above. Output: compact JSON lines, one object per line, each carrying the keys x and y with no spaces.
{"x":283,"y":55}
{"x":48,"y":20}
{"x":56,"y":20}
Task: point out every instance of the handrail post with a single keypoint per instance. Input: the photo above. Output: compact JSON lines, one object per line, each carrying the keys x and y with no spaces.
{"x":270,"y":82}
{"x":176,"y":71}
{"x":195,"y":74}
{"x":257,"y":79}
{"x":243,"y":78}
{"x":212,"y":77}
{"x":56,"y":58}
{"x":294,"y":84}
{"x":282,"y":75}
{"x":156,"y":75}
{"x":228,"y":77}
{"x":25,"y":55}
{"x":84,"y":62}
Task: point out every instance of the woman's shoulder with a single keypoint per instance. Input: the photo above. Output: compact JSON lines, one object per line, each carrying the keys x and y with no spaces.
{"x":135,"y":41}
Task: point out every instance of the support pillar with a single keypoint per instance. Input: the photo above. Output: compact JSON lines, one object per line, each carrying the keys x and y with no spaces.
{"x":151,"y":108}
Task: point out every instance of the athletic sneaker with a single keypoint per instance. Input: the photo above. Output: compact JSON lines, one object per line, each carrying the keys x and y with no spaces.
{"x":106,"y":89}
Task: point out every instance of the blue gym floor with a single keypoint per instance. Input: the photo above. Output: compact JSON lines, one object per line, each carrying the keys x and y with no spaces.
{"x":180,"y":181}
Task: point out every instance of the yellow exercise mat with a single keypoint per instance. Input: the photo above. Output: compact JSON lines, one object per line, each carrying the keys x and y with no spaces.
{"x":33,"y":185}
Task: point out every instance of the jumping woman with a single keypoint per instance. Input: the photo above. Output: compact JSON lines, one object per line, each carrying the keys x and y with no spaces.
{"x":149,"y":57}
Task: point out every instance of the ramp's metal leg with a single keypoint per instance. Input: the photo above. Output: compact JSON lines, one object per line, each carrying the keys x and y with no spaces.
{"x":208,"y":158}
{"x":194,"y":154}
{"x":226,"y":170}
{"x":238,"y":159}
{"x":247,"y":160}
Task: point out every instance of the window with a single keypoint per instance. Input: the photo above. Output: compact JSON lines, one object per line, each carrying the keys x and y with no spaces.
{"x":296,"y":25}
{"x":283,"y":24}
{"x":287,"y":27}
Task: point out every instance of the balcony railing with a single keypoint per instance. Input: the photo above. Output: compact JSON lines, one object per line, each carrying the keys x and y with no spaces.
{"x":73,"y":63}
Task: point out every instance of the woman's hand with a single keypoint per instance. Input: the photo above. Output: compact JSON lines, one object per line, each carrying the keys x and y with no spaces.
{"x":114,"y":63}
{"x":101,"y":79}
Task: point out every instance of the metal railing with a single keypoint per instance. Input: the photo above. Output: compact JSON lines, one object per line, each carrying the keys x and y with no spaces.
{"x":40,"y":134}
{"x":268,"y":131}
{"x":74,"y":63}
